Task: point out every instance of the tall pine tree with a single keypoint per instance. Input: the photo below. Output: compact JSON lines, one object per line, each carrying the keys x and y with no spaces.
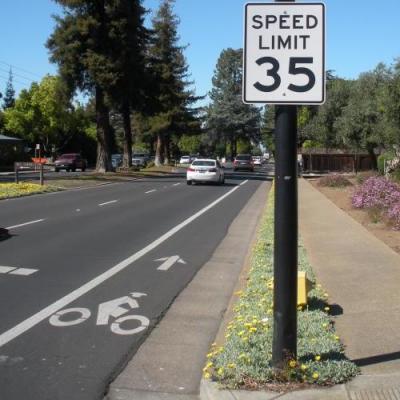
{"x":169,"y":70}
{"x":227,"y":116}
{"x":9,"y":95}
{"x":96,"y":45}
{"x":129,"y":39}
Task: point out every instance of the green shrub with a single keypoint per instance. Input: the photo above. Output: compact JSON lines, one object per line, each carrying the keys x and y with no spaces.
{"x":381,"y":161}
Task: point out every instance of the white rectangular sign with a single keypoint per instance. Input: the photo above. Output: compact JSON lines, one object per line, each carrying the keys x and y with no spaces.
{"x":284,"y":53}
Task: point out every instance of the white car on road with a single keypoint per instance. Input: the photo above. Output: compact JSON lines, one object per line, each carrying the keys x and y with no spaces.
{"x":205,"y":170}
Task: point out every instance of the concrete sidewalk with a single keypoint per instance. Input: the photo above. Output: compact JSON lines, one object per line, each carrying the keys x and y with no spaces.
{"x":361,"y":275}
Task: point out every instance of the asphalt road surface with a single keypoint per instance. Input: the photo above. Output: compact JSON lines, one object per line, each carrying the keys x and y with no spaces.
{"x":87,"y":273}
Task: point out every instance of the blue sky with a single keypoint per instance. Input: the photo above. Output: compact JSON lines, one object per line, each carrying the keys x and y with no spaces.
{"x":360,"y":33}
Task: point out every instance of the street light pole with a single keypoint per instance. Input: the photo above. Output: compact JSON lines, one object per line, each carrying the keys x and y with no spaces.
{"x":286,"y":235}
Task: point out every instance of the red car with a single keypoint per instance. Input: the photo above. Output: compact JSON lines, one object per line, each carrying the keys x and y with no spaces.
{"x":70,"y":162}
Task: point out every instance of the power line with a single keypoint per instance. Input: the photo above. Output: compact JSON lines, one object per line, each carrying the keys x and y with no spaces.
{"x":21,"y":69}
{"x":18,"y":75}
{"x":14,"y":80}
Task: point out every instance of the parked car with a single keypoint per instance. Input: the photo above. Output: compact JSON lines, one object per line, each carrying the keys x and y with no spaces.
{"x":140,"y":159}
{"x":243,"y":162}
{"x":185,"y":160}
{"x":205,"y":170}
{"x":70,"y":162}
{"x":116,"y":160}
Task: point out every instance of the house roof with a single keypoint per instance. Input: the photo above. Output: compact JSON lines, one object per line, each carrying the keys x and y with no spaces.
{"x":9,"y":139}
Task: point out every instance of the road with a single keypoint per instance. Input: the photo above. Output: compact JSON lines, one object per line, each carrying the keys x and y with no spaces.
{"x":87,"y":273}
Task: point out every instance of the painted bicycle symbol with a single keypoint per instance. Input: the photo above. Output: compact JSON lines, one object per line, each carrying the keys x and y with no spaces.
{"x":116,"y":309}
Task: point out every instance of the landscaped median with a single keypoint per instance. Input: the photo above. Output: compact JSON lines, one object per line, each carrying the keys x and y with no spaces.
{"x":244,"y":359}
{"x":9,"y":190}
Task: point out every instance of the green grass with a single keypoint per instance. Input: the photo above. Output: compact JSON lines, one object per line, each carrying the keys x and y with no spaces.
{"x":244,"y":361}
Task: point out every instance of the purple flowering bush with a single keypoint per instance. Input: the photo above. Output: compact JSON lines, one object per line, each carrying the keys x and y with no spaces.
{"x":379,"y":196}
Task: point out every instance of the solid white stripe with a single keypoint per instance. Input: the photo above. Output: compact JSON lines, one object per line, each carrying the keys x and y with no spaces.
{"x":69,"y":298}
{"x":150,"y":191}
{"x":244,"y":182}
{"x":26,"y":223}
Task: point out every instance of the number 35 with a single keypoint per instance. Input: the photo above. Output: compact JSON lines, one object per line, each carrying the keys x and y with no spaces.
{"x":293,"y":70}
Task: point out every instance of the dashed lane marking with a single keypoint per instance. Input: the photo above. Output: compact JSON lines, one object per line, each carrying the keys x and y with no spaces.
{"x":150,"y":191}
{"x":107,"y":203}
{"x":17,"y":271}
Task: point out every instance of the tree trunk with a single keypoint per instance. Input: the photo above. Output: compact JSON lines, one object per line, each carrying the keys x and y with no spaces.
{"x":374,"y":159}
{"x":126,"y":116}
{"x":103,"y":127}
{"x":159,"y":150}
{"x":167,"y":150}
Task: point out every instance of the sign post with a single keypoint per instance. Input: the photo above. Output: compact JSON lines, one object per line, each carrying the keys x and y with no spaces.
{"x":284,"y":65}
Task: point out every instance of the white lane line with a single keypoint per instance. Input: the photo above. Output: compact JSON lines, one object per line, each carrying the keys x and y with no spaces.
{"x":150,"y":191}
{"x":47,"y":312}
{"x":108,"y":202}
{"x":23,"y":271}
{"x":26,"y":223}
{"x":6,"y":270}
{"x":244,"y":182}
{"x":176,"y":184}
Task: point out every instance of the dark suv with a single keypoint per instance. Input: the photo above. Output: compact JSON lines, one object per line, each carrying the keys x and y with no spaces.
{"x":70,"y":162}
{"x":243,"y":162}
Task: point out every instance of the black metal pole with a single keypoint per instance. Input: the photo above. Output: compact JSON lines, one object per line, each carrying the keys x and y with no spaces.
{"x":286,"y":237}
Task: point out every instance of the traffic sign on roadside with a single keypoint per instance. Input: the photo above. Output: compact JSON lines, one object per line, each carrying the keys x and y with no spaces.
{"x":284,"y":53}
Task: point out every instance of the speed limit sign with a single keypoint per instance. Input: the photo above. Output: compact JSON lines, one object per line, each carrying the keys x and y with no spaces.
{"x":284,"y":53}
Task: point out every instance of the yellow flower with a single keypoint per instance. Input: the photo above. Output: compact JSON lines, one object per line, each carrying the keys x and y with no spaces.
{"x":292,"y":363}
{"x":209,"y":355}
{"x":253,"y":329}
{"x":315,"y":375}
{"x":220,"y":371}
{"x":325,"y":325}
{"x":336,"y":337}
{"x":326,"y":309}
{"x":231,"y":365}
{"x":317,"y":358}
{"x":303,"y":367}
{"x":207,"y":375}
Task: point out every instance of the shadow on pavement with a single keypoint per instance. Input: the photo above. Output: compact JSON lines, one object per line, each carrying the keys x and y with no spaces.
{"x":362,"y":362}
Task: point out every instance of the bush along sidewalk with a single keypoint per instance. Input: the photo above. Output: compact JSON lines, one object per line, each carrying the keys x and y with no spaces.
{"x":245,"y":359}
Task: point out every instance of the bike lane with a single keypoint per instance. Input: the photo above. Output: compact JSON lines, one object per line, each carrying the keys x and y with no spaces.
{"x":75,"y":353}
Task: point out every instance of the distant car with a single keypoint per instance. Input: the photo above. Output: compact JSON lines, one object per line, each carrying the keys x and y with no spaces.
{"x":205,"y":170}
{"x":243,"y":162}
{"x":185,"y":160}
{"x":116,"y":160}
{"x":257,"y":160}
{"x":70,"y":162}
{"x":140,"y":159}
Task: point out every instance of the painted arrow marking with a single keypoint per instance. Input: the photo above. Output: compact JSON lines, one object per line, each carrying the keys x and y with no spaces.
{"x":169,"y":262}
